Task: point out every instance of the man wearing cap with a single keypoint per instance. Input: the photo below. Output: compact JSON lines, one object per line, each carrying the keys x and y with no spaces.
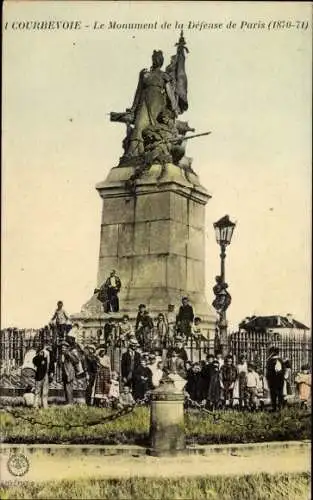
{"x":129,"y":362}
{"x":185,"y":317}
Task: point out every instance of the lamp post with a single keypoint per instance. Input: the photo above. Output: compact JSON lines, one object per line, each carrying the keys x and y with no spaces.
{"x":224,"y":229}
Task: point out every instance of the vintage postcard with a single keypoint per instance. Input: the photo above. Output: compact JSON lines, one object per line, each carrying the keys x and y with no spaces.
{"x":156,"y":240}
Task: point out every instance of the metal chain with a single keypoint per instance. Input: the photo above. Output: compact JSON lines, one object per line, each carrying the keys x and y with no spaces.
{"x":250,"y":426}
{"x":108,"y":418}
{"x":217,"y":418}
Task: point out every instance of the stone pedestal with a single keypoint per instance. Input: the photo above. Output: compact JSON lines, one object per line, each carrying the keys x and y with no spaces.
{"x":167,"y":428}
{"x":155,"y":239}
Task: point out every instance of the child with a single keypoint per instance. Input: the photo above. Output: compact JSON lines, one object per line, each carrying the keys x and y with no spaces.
{"x":126,"y":398}
{"x":303,"y":381}
{"x":114,"y":392}
{"x":252,"y":384}
{"x":287,"y":390}
{"x":125,"y":330}
{"x":196,"y":332}
{"x":263,"y":391}
{"x":161,"y":338}
{"x":171,"y":322}
{"x":29,"y":396}
{"x":61,"y":320}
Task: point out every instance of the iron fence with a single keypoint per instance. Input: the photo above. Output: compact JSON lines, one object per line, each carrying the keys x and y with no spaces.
{"x":255,"y":346}
{"x":14,"y":344}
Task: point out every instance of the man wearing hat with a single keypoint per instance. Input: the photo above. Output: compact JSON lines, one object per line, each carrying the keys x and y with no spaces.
{"x":68,"y":361}
{"x":129,"y":362}
{"x":275,"y":377}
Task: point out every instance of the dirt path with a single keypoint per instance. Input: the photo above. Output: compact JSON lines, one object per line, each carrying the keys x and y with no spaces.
{"x":46,"y":467}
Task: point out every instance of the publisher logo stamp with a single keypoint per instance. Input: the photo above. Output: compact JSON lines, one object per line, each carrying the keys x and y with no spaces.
{"x":18,"y":464}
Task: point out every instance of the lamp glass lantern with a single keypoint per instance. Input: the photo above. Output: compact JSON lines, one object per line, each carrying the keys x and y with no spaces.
{"x":224,"y":229}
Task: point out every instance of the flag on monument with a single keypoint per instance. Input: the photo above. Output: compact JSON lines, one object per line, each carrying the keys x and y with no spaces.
{"x":181,"y":86}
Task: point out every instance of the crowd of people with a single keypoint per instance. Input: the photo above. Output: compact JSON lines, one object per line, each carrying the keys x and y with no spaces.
{"x":216,"y":382}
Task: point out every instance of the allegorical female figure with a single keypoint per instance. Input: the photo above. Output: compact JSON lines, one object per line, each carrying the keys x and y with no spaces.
{"x":157,"y":91}
{"x":154,"y":94}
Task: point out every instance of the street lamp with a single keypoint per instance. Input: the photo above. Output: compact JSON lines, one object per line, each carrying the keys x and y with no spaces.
{"x":224,"y":229}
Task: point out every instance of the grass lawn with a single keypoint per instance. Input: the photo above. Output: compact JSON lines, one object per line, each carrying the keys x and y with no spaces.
{"x":229,"y":427}
{"x":249,"y":487}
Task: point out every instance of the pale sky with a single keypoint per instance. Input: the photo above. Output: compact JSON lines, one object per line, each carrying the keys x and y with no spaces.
{"x":251,"y":87}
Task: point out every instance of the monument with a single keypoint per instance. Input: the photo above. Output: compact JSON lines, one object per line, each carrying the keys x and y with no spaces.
{"x":153,"y":215}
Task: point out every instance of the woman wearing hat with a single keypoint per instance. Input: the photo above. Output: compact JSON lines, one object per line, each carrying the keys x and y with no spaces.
{"x":103,"y":378}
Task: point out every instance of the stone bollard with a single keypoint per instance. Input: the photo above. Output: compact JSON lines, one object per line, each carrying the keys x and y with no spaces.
{"x":167,"y":428}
